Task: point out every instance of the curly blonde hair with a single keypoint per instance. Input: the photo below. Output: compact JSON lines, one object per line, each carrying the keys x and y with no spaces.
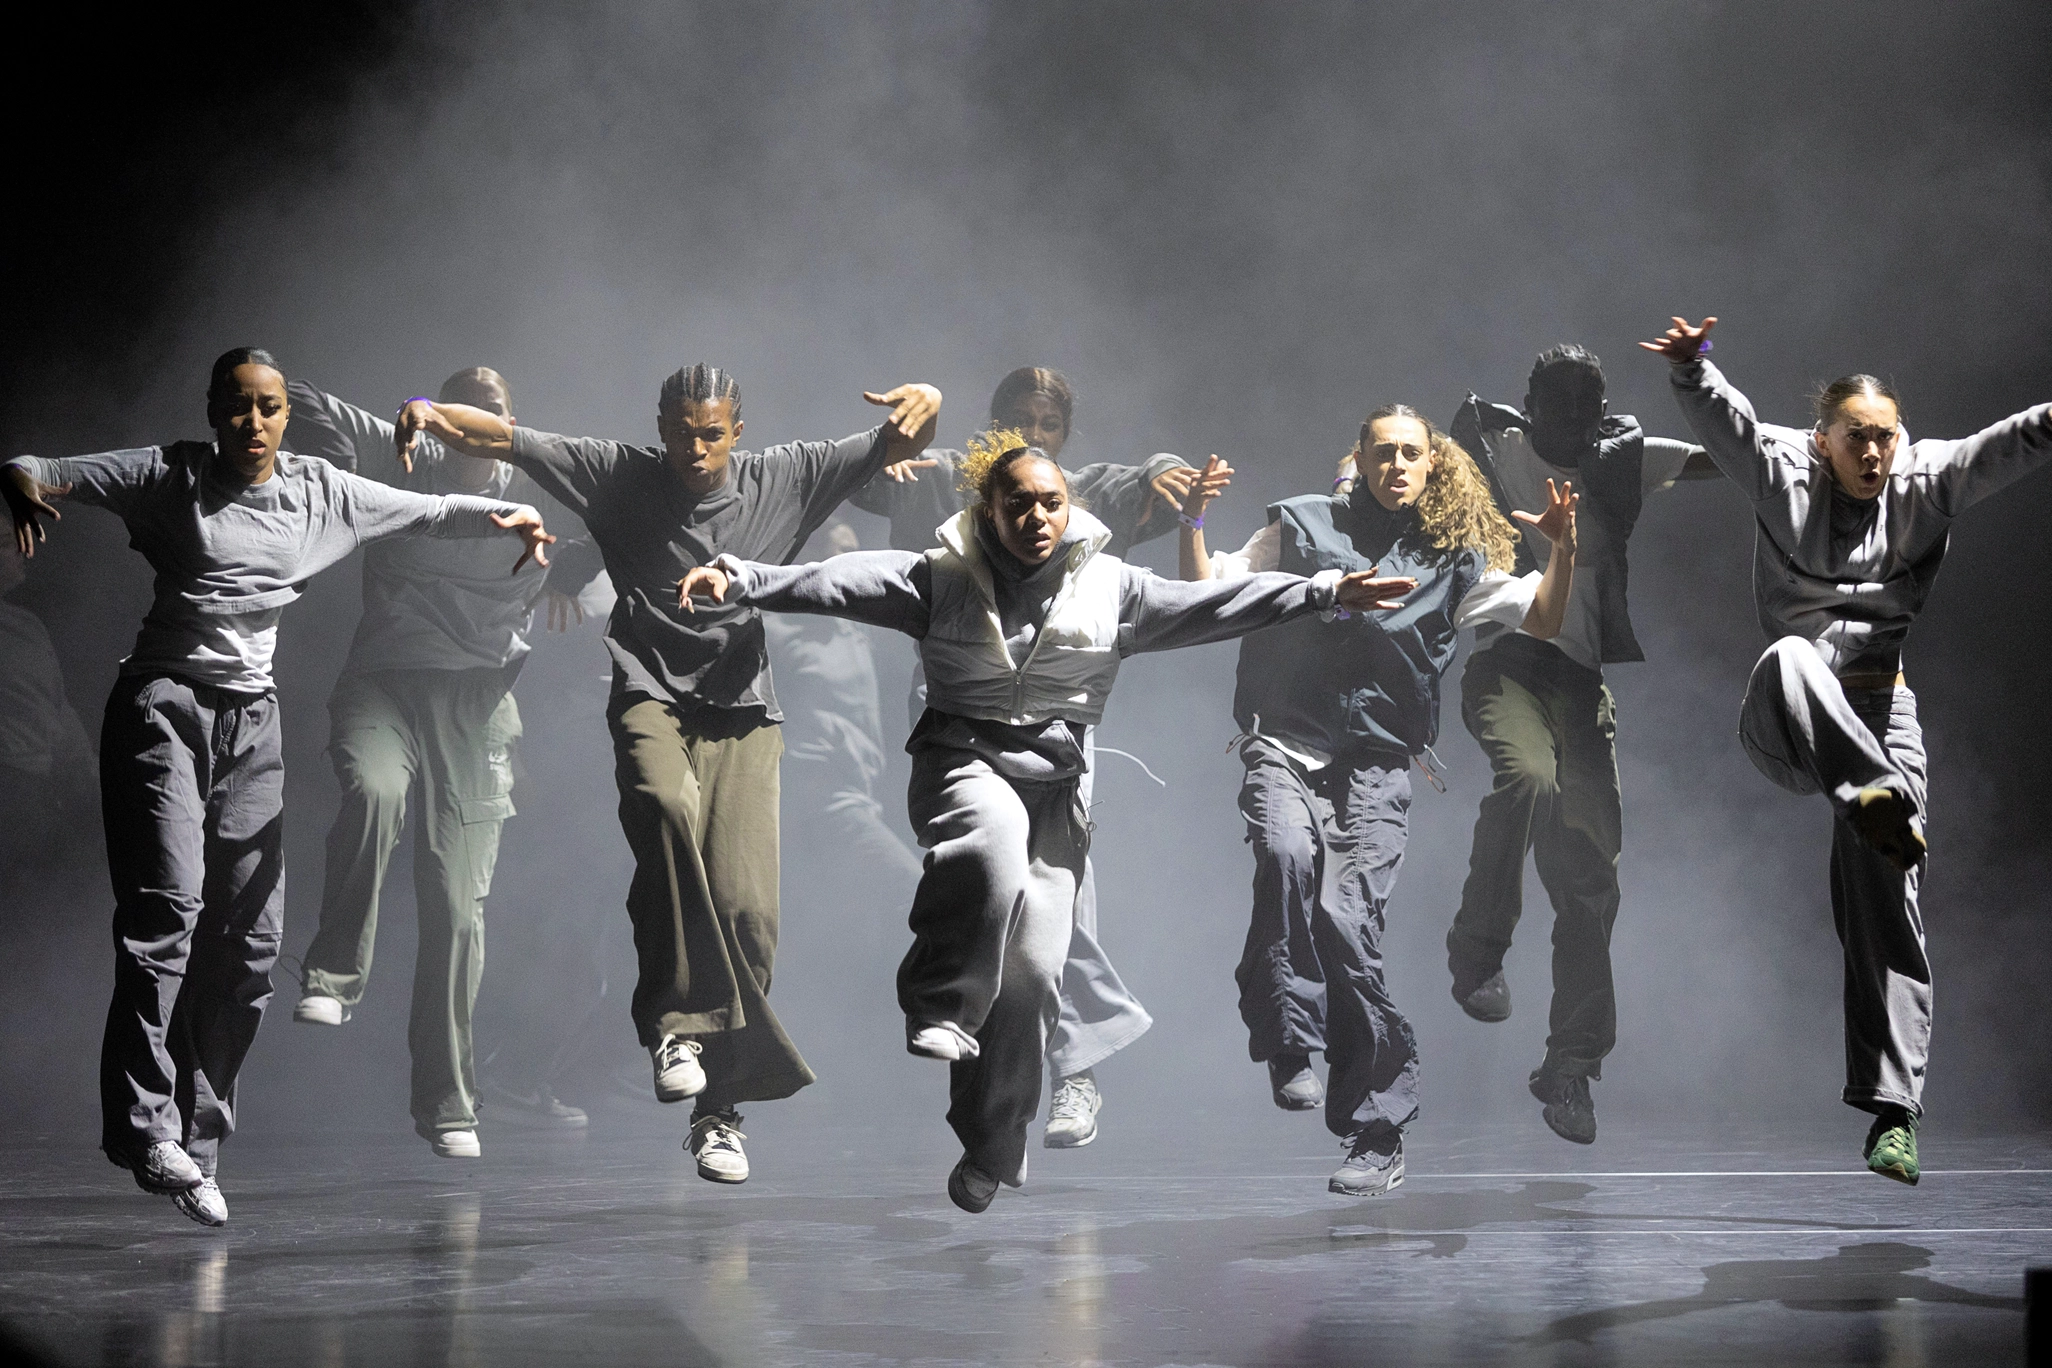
{"x":1455,"y":510}
{"x":988,"y":455}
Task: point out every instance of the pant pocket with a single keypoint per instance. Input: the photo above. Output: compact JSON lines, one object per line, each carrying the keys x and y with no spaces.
{"x":482,"y":820}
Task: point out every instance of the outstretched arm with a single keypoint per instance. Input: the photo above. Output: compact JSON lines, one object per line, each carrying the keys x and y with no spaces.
{"x":882,"y":588}
{"x":1157,"y":614}
{"x":1721,"y":417}
{"x":373,"y":511}
{"x":915,"y":413}
{"x":109,"y":478}
{"x":1972,"y":468}
{"x":1557,"y":524}
{"x":1193,"y":562}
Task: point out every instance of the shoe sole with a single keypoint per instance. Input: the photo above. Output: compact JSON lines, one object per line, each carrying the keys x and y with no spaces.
{"x":669,"y":1095}
{"x":1546,"y":1114}
{"x":192,"y":1213}
{"x":1894,"y":1171}
{"x":917,"y":1052}
{"x":442,"y":1153}
{"x":309,"y":1020}
{"x":1051,"y":1141}
{"x":1396,"y":1180}
{"x":959,"y":1195}
{"x":1490,"y":1018}
{"x":715,"y":1176}
{"x":1288,"y":1103}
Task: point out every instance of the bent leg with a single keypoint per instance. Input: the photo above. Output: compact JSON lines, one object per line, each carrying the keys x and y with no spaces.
{"x":1875,"y":906}
{"x":1577,"y":853}
{"x":1509,"y":710}
{"x":1803,"y":734}
{"x":1282,"y":984}
{"x":1370,"y":1048}
{"x":371,"y":745}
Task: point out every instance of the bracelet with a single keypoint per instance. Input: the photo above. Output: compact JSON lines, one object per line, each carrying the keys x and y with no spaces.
{"x":416,"y":399}
{"x":1195,"y":524}
{"x":1704,"y":346}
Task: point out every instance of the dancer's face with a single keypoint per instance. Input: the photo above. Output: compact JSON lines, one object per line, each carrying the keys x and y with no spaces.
{"x":1567,"y":418}
{"x":1039,"y":420}
{"x":1030,"y":509}
{"x":698,"y":438}
{"x":1395,"y":461}
{"x":248,"y":413}
{"x":1860,"y":444}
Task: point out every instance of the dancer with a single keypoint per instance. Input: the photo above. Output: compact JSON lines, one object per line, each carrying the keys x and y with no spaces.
{"x":424,"y":703}
{"x":1852,"y":522}
{"x":1022,"y":618}
{"x":1547,"y":721}
{"x":191,"y":770}
{"x":693,"y":714}
{"x":1331,"y":713}
{"x":1099,"y":1015}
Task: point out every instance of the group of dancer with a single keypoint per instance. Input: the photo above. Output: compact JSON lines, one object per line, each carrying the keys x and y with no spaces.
{"x":1006,"y":573}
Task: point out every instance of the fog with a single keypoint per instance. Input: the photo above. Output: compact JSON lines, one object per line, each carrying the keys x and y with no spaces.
{"x":1236,"y":228}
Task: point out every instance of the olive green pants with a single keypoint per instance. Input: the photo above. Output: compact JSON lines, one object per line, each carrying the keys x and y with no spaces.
{"x":447,"y":735}
{"x":698,"y":803}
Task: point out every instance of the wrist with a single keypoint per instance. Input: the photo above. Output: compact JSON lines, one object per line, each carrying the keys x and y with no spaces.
{"x":1193,"y":521}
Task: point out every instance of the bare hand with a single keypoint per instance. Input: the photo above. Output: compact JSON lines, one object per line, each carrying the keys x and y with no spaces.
{"x":28,"y":501}
{"x":417,"y":417}
{"x":1363,"y":592}
{"x":1557,"y":523}
{"x":1682,"y":344}
{"x":914,"y":408}
{"x":907,"y":472}
{"x":702,"y":581}
{"x":562,"y":609}
{"x":1206,"y":485}
{"x":528,"y":524}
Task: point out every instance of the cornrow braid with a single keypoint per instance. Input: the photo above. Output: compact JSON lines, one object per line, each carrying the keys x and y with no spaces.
{"x":699,"y":384}
{"x":226,"y":363}
{"x":1566,"y":364}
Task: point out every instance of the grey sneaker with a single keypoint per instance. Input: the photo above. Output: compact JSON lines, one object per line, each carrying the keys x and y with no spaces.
{"x":1374,"y":1164}
{"x":163,"y":1169}
{"x":716,"y":1143}
{"x":970,"y":1188}
{"x":1569,"y":1110}
{"x":204,"y":1203}
{"x":1292,"y":1084}
{"x":538,"y":1108}
{"x":1072,"y":1115}
{"x":677,"y":1072}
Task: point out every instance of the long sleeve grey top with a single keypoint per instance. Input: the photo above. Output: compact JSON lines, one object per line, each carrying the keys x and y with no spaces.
{"x":1850,"y":575}
{"x":430,"y":603}
{"x":894,"y":589}
{"x":230,"y":556}
{"x":650,"y":530}
{"x":1118,"y":494}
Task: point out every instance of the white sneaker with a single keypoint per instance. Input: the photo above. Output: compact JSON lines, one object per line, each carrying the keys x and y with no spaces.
{"x":677,"y":1072}
{"x":1072,"y":1115}
{"x":942,"y":1040}
{"x":318,"y":1009}
{"x":204,"y":1203}
{"x":457,"y":1144}
{"x":716,"y":1143}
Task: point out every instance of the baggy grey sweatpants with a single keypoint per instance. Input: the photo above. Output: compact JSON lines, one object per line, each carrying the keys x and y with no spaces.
{"x":1327,"y":848}
{"x":991,"y":924}
{"x":447,"y":735}
{"x":1099,"y":1015}
{"x":1810,"y":734}
{"x":192,"y":784}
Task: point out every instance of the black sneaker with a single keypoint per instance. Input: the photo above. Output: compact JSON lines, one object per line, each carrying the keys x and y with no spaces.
{"x":1292,"y":1084}
{"x":1374,"y":1164}
{"x":1569,"y":1110}
{"x":1488,"y":1000}
{"x":970,"y":1188}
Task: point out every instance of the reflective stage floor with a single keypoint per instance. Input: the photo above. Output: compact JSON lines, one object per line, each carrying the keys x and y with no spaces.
{"x":603,"y":1247}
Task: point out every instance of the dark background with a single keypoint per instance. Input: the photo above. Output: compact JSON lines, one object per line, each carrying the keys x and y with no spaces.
{"x":1237,"y":228}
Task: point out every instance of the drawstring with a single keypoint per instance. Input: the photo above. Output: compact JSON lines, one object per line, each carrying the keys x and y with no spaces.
{"x":1107,"y":750}
{"x":1433,"y":767}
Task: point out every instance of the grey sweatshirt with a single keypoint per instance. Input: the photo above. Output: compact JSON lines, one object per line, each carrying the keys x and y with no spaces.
{"x":894,"y":589}
{"x":230,"y":556}
{"x":431,"y":603}
{"x":1117,"y":494}
{"x":1848,"y":575}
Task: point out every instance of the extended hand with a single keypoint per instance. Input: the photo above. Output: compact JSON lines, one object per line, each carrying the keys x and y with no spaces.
{"x":907,"y":472}
{"x":28,"y":501}
{"x":1206,"y":485}
{"x":1682,"y":344}
{"x":417,"y":417}
{"x":1362,"y":592}
{"x":702,"y":581}
{"x":914,"y":408}
{"x":1557,"y":523}
{"x":562,"y":609}
{"x":528,"y":524}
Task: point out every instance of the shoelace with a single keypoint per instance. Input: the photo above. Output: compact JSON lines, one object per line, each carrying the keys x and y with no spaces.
{"x":674,"y":1051}
{"x":723,"y":1133}
{"x":1070,"y":1099}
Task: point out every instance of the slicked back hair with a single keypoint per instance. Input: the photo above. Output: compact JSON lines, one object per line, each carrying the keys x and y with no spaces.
{"x":1030,"y":380}
{"x":699,"y":384}
{"x":224,"y":367}
{"x":1568,"y":364}
{"x":1830,"y":398}
{"x":476,"y":382}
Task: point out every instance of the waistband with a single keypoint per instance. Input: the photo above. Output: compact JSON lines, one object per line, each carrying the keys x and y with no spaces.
{"x":212,"y":695}
{"x":1513,"y":645}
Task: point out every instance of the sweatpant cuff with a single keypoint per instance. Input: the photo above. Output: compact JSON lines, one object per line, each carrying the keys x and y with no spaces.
{"x":1872,"y":1100}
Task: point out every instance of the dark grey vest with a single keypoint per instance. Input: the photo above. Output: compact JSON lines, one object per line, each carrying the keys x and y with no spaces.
{"x":1363,"y":685}
{"x":1611,"y":481}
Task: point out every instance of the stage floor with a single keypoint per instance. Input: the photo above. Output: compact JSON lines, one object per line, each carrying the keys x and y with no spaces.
{"x":1504,"y":1246}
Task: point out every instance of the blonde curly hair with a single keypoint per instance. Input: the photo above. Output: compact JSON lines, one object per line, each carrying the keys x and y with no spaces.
{"x":989,"y":454}
{"x":1456,"y":511}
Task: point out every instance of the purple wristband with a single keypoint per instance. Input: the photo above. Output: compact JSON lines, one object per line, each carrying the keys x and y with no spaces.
{"x":1195,"y":524}
{"x":1704,"y":346}
{"x":416,"y":399}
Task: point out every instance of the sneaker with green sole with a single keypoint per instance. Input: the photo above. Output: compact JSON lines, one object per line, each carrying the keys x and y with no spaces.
{"x":1892,"y":1147}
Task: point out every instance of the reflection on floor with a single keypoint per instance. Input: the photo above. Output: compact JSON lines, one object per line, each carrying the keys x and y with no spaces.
{"x":842,"y":1250}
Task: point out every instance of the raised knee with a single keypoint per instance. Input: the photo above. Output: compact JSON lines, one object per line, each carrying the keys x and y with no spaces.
{"x":1532,"y":779}
{"x":377,"y":787}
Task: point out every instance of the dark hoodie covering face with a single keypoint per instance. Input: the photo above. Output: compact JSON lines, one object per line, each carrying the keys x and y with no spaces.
{"x":1043,"y":752}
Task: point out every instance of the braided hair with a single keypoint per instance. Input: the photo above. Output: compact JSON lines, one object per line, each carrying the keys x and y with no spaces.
{"x":698,"y":384}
